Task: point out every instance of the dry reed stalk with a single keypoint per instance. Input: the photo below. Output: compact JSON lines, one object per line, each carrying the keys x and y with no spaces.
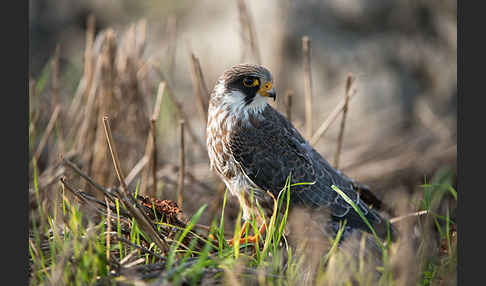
{"x":86,"y":117}
{"x":114,"y":154}
{"x":150,"y":152}
{"x":55,"y":75}
{"x":154,"y":157}
{"x":126,"y":198}
{"x":306,"y":46}
{"x":349,"y":82}
{"x":204,"y":87}
{"x":288,"y":104}
{"x":415,"y":214}
{"x":196,"y":86}
{"x":99,"y":165}
{"x":148,"y":156}
{"x":180,"y":182}
{"x":330,"y":119}
{"x":136,"y":170}
{"x":46,"y":134}
{"x":158,"y":100}
{"x":153,"y":120}
{"x":85,"y":84}
{"x":88,"y":50}
{"x":248,"y":28}
{"x":183,"y":116}
{"x":128,"y":257}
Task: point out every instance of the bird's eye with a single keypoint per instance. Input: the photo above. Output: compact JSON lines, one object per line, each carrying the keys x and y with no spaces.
{"x":249,"y":82}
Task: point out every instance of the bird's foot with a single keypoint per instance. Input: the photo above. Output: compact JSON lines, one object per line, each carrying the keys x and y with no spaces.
{"x":251,"y":238}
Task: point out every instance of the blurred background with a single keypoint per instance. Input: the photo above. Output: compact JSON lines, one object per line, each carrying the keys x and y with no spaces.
{"x":401,"y":123}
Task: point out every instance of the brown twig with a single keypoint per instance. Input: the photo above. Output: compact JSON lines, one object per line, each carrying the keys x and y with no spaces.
{"x":330,"y":119}
{"x":154,"y":156}
{"x":153,"y":120}
{"x":180,"y":183}
{"x":70,"y":188}
{"x":306,"y":47}
{"x":46,"y":134}
{"x":247,"y":28}
{"x":204,"y":87}
{"x":158,"y":100}
{"x":196,"y":86}
{"x":150,"y":148}
{"x":349,"y":82}
{"x":114,"y":154}
{"x":88,"y":179}
{"x":148,"y":156}
{"x":127,"y":200}
{"x":399,"y":218}
{"x":145,"y":250}
{"x":288,"y":104}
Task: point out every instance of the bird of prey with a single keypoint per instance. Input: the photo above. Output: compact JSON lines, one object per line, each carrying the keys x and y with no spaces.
{"x":254,"y":148}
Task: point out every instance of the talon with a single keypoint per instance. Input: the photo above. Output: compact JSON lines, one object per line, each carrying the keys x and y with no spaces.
{"x":251,"y":238}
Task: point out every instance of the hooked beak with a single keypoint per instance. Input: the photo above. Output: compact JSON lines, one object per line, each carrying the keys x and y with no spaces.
{"x":272,"y":94}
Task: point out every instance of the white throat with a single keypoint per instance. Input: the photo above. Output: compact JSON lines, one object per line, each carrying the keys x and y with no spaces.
{"x":235,"y":102}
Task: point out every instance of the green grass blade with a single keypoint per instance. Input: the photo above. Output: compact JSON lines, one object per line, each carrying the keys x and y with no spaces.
{"x":353,"y":205}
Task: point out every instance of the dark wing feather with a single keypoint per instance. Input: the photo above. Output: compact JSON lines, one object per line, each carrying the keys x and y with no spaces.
{"x":271,"y":149}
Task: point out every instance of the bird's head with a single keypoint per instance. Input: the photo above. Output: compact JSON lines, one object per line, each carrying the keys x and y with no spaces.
{"x":245,"y":87}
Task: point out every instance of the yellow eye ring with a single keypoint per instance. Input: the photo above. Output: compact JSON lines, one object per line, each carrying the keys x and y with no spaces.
{"x":248,"y":82}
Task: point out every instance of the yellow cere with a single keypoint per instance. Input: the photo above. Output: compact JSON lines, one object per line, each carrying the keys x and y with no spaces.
{"x":263,"y":90}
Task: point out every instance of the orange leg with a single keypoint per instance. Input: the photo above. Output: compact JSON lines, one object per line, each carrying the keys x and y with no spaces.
{"x":252,"y":238}
{"x":243,"y":229}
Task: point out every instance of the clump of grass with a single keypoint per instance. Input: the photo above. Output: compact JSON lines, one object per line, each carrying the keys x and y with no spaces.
{"x":71,"y":249}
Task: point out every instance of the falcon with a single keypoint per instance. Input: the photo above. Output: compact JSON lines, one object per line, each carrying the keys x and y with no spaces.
{"x":254,"y":149}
